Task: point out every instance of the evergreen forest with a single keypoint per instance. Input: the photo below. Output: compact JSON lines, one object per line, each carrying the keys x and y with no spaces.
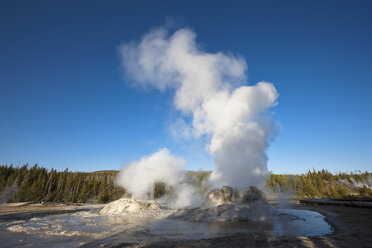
{"x":38,"y":184}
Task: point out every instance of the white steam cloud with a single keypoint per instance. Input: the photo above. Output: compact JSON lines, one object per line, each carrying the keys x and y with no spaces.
{"x":211,"y":89}
{"x":139,"y":178}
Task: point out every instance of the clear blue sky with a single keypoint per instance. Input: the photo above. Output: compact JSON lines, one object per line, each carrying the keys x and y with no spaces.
{"x":63,"y":101}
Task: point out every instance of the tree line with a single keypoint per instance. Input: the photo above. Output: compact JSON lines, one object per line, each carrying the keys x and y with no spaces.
{"x":323,"y":184}
{"x":37,"y":184}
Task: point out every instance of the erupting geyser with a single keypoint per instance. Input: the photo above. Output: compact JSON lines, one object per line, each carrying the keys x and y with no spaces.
{"x":214,"y":103}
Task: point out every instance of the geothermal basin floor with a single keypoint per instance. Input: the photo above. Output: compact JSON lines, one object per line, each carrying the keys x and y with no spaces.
{"x":87,"y":228}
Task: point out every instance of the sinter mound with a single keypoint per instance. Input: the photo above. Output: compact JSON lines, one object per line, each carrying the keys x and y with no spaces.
{"x":131,"y":206}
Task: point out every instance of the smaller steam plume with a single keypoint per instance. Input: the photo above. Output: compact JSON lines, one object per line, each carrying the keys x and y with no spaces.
{"x":139,"y":178}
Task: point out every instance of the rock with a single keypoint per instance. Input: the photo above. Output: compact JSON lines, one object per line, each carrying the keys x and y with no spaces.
{"x":227,"y":193}
{"x":220,"y":196}
{"x":253,"y":194}
{"x":238,"y":196}
{"x":215,"y":197}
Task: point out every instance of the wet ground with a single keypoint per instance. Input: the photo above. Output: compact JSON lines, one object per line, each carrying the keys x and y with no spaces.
{"x":352,"y":228}
{"x":91,"y":229}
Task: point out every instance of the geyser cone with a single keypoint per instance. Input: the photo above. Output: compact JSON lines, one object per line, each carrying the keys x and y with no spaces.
{"x":223,"y":205}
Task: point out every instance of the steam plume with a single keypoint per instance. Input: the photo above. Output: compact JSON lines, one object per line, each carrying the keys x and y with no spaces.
{"x":211,"y":89}
{"x":139,"y":178}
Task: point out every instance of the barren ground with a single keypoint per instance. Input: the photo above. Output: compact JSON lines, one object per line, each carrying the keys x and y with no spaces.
{"x":25,"y":210}
{"x":352,"y":228}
